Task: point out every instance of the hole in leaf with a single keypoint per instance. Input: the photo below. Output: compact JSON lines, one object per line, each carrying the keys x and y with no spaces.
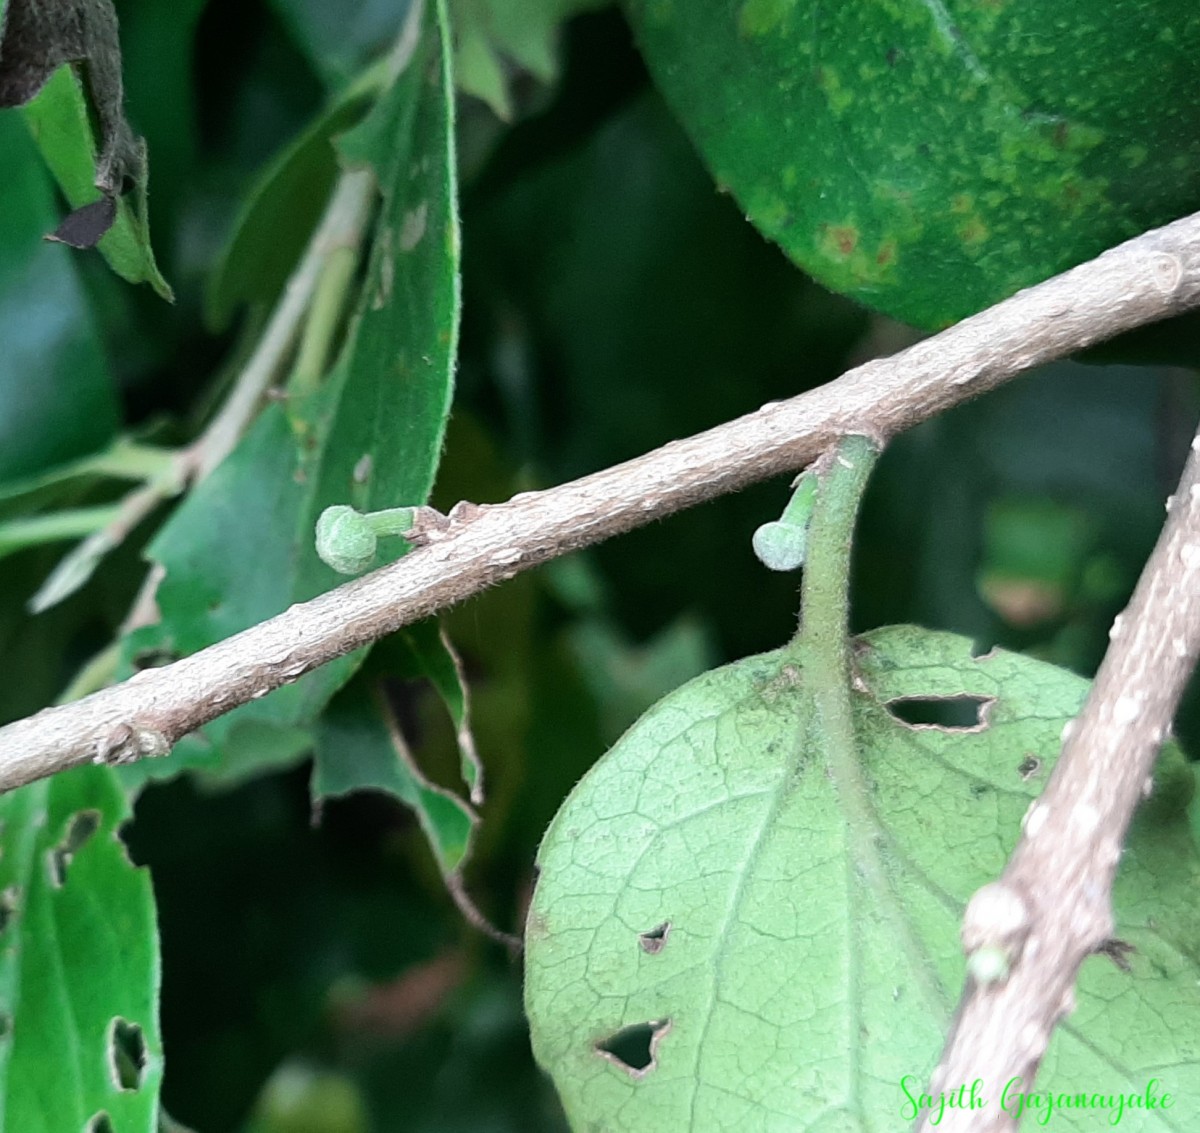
{"x":633,"y":1048}
{"x":84,"y":227}
{"x":9,"y":903}
{"x":81,"y":827}
{"x":654,"y":940}
{"x":1029,"y":767}
{"x":126,"y":1054}
{"x":100,"y":1123}
{"x":950,"y":713}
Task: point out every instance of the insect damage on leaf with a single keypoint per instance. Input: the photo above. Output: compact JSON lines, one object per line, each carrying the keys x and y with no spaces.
{"x":961,"y":713}
{"x":810,"y":911}
{"x":39,"y":36}
{"x":126,"y":1054}
{"x":85,"y":226}
{"x":81,"y":827}
{"x":634,"y":1048}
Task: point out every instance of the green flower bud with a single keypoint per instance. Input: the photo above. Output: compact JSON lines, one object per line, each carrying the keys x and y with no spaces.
{"x":780,"y":546}
{"x":345,"y":540}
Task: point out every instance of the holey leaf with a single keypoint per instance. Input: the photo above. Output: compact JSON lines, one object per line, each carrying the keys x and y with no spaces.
{"x":737,"y":927}
{"x":80,"y":1048}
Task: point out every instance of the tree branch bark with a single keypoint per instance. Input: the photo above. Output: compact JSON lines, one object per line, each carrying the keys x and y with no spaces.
{"x":1052,"y":906}
{"x":1148,"y":278}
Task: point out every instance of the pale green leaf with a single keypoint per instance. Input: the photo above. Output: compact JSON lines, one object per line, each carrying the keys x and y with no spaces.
{"x":762,"y":950}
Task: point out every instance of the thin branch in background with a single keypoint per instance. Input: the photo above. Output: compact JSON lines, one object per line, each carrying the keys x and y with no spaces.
{"x":1150,"y":277}
{"x":309,"y":313}
{"x":1052,"y":907}
{"x":340,"y":229}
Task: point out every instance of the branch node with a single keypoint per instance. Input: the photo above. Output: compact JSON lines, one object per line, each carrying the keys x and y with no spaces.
{"x":127,"y":743}
{"x":995,"y":927}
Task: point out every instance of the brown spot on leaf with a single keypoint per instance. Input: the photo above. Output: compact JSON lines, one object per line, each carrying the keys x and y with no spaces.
{"x":845,"y":238}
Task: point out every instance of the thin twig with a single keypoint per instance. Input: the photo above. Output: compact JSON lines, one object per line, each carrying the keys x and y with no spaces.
{"x":1052,"y":906}
{"x":341,"y":228}
{"x":1148,"y":278}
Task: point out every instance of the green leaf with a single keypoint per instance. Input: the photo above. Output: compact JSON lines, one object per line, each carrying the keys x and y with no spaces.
{"x":79,"y":965}
{"x":57,"y":401}
{"x":337,"y":35}
{"x":493,"y":34}
{"x":359,"y":746}
{"x":721,"y":937}
{"x":60,"y":120}
{"x":282,"y":210}
{"x":241,"y":547}
{"x":424,"y":652}
{"x":927,"y":159}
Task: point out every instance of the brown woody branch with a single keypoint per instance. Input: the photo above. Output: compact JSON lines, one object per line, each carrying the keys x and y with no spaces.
{"x":1148,"y":278}
{"x":1051,"y":907}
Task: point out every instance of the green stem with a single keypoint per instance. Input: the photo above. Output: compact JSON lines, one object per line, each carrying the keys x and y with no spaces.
{"x":825,"y":595}
{"x":390,"y":521}
{"x":822,"y":650}
{"x":131,"y":460}
{"x":55,"y":526}
{"x":324,"y":319}
{"x":781,"y":544}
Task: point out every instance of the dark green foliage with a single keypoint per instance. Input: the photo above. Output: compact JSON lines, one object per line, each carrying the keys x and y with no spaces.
{"x":307,"y":850}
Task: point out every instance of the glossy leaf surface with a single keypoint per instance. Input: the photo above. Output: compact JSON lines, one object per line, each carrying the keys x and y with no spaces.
{"x":928,"y":158}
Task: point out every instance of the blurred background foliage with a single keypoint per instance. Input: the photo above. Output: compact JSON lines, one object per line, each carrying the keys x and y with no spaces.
{"x":316,"y":976}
